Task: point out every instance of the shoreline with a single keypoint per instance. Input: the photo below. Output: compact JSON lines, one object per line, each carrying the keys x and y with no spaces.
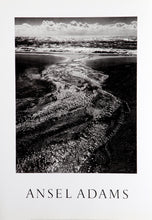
{"x":74,"y":57}
{"x":74,"y":53}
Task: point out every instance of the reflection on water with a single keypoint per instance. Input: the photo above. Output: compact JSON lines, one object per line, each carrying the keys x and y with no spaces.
{"x":39,"y":61}
{"x":122,"y":75}
{"x":29,"y":82}
{"x":110,"y":61}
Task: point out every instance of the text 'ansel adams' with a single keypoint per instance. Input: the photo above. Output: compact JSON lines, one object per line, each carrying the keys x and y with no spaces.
{"x":80,"y":194}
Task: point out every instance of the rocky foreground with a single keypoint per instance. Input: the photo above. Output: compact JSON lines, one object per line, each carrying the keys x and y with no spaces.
{"x":64,"y":117}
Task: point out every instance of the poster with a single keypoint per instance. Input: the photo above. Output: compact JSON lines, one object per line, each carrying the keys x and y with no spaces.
{"x":75,"y":115}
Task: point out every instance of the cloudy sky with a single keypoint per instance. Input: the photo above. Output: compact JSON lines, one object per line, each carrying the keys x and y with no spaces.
{"x":76,"y":27}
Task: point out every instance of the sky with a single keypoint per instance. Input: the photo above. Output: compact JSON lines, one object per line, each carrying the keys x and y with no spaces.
{"x":64,"y":28}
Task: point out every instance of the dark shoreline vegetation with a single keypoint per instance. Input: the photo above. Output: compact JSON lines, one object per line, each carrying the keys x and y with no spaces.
{"x":71,"y":118}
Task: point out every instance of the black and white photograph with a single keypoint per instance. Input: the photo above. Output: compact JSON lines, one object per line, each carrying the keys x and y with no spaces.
{"x":76,"y":110}
{"x":76,"y":83}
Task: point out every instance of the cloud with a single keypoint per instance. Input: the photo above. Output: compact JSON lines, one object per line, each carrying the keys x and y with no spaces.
{"x":74,"y":29}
